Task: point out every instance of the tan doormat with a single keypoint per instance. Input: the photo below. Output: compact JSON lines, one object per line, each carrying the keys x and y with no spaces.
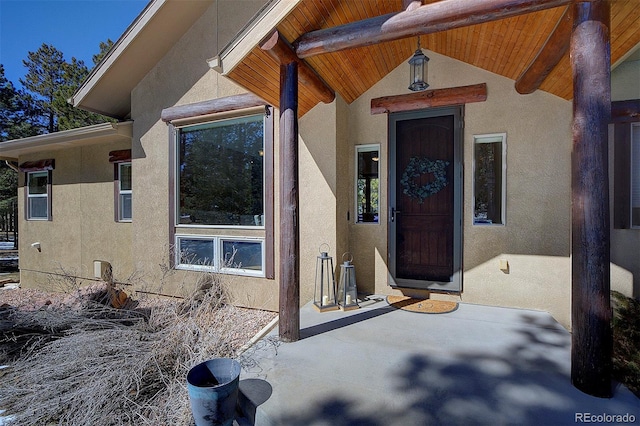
{"x":426,"y":306}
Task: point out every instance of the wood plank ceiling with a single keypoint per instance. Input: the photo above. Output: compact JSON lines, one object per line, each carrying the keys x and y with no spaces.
{"x":503,"y":47}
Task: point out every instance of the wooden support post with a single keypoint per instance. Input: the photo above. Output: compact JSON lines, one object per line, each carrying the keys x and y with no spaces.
{"x":431,"y":18}
{"x":289,"y":301}
{"x":549,"y":56}
{"x":591,"y":339}
{"x":282,"y":52}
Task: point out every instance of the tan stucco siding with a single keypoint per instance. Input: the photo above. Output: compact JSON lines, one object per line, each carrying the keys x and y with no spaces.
{"x":324,"y":155}
{"x":83,"y":226}
{"x":625,"y":81}
{"x":181,"y":77}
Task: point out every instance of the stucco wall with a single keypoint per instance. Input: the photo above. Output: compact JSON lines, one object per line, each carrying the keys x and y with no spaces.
{"x":181,"y":77}
{"x":536,"y":238}
{"x":83,"y":228}
{"x":323,"y":210}
{"x":625,"y":81}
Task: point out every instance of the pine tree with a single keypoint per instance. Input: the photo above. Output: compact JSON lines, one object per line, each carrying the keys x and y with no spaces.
{"x":74,"y":73}
{"x":105,"y":47}
{"x":16,"y":112}
{"x":53,"y":80}
{"x":45,"y":75}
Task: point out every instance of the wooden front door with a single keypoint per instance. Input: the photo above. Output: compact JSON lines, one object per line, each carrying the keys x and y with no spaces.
{"x":425,"y":177}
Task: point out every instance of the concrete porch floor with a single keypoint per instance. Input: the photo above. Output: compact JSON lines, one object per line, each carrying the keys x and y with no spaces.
{"x":382,"y":366}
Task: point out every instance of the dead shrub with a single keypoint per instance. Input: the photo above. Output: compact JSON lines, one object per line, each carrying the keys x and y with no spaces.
{"x":87,"y":363}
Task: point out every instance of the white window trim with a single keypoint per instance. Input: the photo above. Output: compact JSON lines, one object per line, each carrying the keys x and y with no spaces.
{"x":634,"y":171}
{"x":358,"y":149}
{"x":218,"y":264}
{"x":123,"y":192}
{"x":490,"y":138}
{"x":176,"y":183}
{"x":46,"y":196}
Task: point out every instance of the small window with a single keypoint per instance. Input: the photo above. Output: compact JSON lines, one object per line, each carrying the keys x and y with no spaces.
{"x":489,"y":179}
{"x":38,"y":197}
{"x":124,"y":192}
{"x":196,"y":252}
{"x":367,"y":183}
{"x":635,"y":175}
{"x":242,"y":256}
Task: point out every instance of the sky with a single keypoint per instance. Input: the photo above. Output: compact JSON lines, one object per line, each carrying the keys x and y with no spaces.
{"x":74,"y":27}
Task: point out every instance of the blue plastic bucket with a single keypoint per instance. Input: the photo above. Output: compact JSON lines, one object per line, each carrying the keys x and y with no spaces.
{"x":213,"y":391}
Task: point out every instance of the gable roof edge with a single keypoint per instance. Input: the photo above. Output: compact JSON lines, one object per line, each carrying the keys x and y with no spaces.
{"x":65,"y":138}
{"x":116,"y":51}
{"x":261,"y":25}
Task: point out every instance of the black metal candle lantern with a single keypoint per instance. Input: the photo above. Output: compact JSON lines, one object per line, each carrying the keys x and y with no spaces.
{"x":324,"y":296}
{"x":347,"y":290}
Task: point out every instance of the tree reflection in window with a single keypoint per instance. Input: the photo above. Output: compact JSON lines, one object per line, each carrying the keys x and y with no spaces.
{"x":489,"y":184}
{"x":221,"y":173}
{"x":367,"y":184}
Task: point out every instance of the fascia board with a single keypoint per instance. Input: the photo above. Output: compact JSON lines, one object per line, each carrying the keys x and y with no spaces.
{"x":73,"y":137}
{"x":265,"y":21}
{"x":120,"y":46}
{"x":634,"y":51}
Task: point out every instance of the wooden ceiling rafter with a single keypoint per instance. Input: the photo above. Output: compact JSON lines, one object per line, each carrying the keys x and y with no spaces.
{"x":352,"y":72}
{"x":434,"y":17}
{"x":556,"y":46}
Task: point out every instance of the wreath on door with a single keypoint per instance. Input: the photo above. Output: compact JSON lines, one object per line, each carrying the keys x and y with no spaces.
{"x":418,"y":166}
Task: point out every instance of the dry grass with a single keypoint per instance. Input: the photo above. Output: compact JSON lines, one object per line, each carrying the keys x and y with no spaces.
{"x":86,"y":363}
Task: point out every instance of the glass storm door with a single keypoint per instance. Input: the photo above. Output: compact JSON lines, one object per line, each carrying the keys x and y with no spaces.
{"x":425,"y":178}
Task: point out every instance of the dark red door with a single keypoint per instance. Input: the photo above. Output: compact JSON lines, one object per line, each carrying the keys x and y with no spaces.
{"x":424,"y":199}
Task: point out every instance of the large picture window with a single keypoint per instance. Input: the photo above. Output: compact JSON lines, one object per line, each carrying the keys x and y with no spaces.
{"x":38,"y":197}
{"x":221,"y":173}
{"x":489,"y":179}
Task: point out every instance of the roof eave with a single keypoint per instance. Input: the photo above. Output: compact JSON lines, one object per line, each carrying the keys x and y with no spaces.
{"x":11,"y":150}
{"x":260,"y":26}
{"x":113,"y":54}
{"x":107,"y":90}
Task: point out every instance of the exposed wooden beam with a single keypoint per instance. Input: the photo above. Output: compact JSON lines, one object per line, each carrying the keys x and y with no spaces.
{"x":411,"y":4}
{"x":120,"y":156}
{"x":429,"y":99}
{"x":434,"y":17}
{"x":39,"y":165}
{"x":213,"y":106}
{"x":549,"y":56}
{"x":625,"y":111}
{"x":289,"y":297}
{"x":283,"y":53}
{"x":591,"y":337}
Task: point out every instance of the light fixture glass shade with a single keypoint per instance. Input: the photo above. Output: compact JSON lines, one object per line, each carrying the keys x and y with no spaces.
{"x":418,"y":65}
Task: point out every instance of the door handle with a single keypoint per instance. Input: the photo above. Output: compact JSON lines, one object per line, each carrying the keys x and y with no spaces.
{"x":394,"y":212}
